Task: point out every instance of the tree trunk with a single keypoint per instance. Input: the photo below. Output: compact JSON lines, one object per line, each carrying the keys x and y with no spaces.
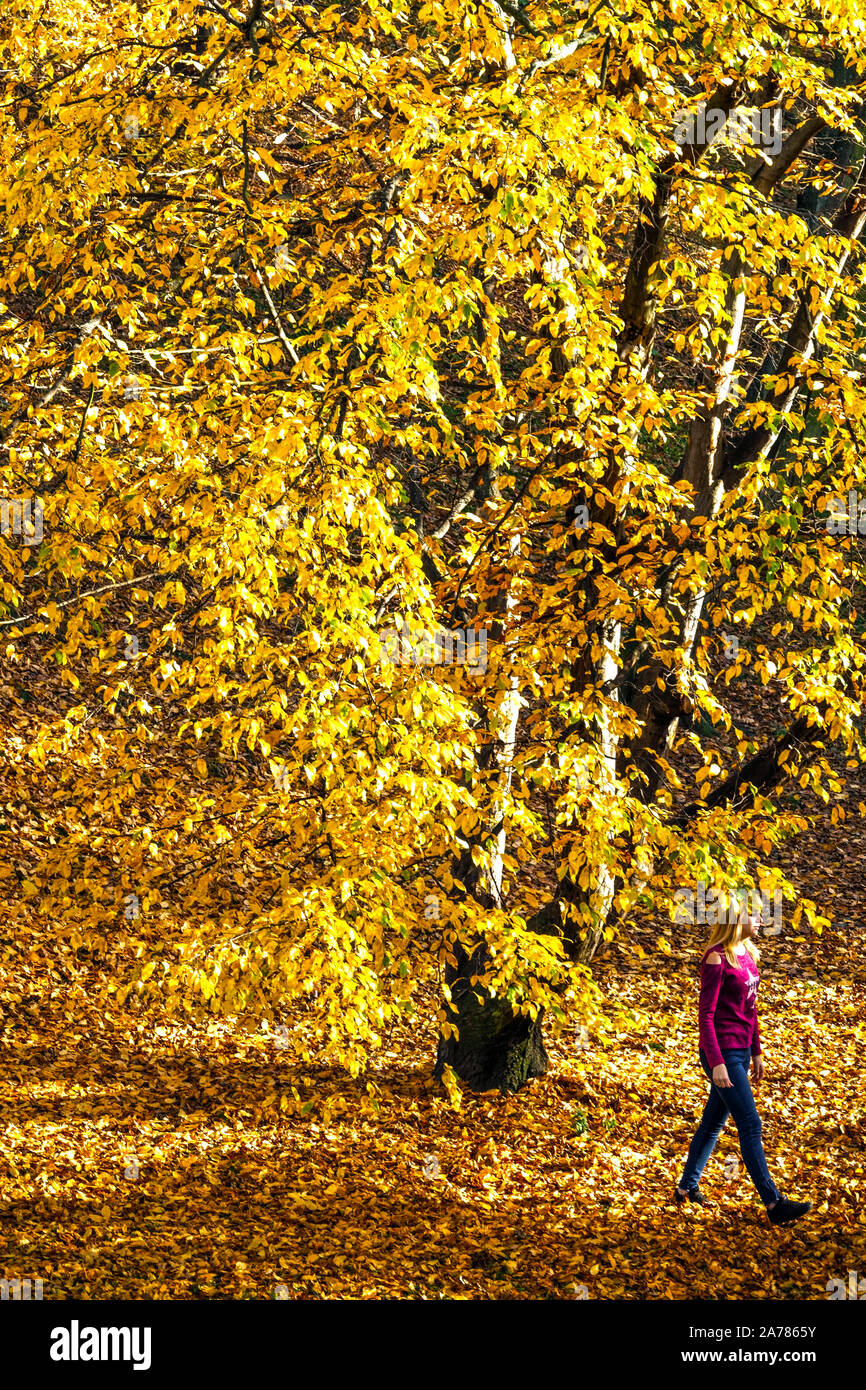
{"x":496,"y":1050}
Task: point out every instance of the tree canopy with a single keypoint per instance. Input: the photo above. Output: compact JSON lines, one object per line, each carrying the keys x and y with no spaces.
{"x":326,"y":329}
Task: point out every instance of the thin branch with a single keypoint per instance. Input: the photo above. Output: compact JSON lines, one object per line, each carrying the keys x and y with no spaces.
{"x":229,"y":18}
{"x":245,"y":148}
{"x":77,"y":598}
{"x":48,"y":397}
{"x":83,"y":421}
{"x":515,"y":13}
{"x":288,"y":347}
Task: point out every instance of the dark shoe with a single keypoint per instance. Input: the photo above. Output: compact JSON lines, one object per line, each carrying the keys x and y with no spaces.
{"x":786,"y":1210}
{"x":696,"y":1195}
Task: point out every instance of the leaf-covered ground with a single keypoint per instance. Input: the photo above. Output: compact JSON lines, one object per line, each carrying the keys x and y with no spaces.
{"x":145,"y":1162}
{"x":141,"y":1159}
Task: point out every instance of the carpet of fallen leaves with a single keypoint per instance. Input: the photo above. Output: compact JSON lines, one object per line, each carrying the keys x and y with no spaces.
{"x":141,"y":1161}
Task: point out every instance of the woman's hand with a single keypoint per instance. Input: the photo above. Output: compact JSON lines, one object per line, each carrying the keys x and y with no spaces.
{"x":720,"y":1076}
{"x":758,"y":1066}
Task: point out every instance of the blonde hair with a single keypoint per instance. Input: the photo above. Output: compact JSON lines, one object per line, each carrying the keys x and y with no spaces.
{"x":727,"y":935}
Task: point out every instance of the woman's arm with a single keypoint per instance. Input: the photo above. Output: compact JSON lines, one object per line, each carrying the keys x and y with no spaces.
{"x":757,"y":1059}
{"x":712,"y":974}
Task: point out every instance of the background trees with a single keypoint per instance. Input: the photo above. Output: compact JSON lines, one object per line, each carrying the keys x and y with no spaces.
{"x":319,"y":318}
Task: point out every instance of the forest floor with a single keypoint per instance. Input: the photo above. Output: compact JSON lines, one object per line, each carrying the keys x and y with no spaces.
{"x":146,"y":1159}
{"x":141,"y":1161}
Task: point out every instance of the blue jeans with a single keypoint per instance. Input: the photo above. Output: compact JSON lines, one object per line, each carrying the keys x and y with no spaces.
{"x":736,"y":1100}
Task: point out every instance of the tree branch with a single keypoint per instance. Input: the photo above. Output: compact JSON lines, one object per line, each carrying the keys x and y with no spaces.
{"x":759,"y":773}
{"x":77,"y":598}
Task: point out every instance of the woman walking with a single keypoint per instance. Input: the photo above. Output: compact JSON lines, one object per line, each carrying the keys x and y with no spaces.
{"x":729,"y":1039}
